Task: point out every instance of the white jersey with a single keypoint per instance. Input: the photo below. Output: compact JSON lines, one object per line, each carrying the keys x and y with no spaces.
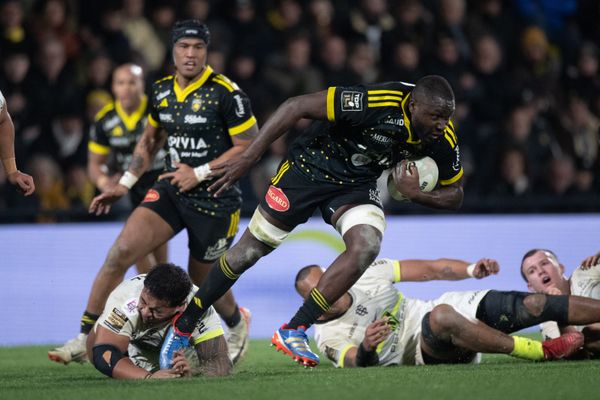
{"x":2,"y":101}
{"x":374,"y":294}
{"x":121,"y":316}
{"x":583,"y":282}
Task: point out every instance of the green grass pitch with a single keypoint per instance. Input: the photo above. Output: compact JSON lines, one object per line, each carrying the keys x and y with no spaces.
{"x":26,"y":373}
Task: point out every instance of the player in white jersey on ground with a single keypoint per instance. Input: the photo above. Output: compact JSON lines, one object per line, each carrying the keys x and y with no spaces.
{"x":126,"y":339}
{"x":544,"y":273}
{"x":374,"y":324}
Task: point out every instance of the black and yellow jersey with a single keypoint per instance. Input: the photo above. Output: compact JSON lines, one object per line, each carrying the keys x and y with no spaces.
{"x":115,"y":134}
{"x":368,"y":131}
{"x":200,"y":121}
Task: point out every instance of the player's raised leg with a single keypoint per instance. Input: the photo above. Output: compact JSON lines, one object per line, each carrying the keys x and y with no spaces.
{"x":143,"y":232}
{"x":236,"y":318}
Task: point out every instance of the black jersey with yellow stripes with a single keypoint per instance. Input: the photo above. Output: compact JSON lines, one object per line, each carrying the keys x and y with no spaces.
{"x":368,"y":131}
{"x":200,"y":121}
{"x":115,"y":134}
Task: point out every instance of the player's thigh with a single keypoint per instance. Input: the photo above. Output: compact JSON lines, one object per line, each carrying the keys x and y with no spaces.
{"x":143,"y":232}
{"x":209,"y":236}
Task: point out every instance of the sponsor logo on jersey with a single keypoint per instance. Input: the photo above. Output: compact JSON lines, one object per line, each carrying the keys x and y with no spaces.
{"x":131,"y":307}
{"x":187,"y":143}
{"x":162,"y":95}
{"x":151,"y":195}
{"x":111,"y":123}
{"x":276,"y":199}
{"x":456,"y":164}
{"x":194,"y":119}
{"x":196,"y":104}
{"x":239,"y":106}
{"x":374,"y":195}
{"x":361,"y":310}
{"x":164,"y":117}
{"x":352,"y":101}
{"x":117,"y":131}
{"x":116,"y":320}
{"x":394,"y":121}
{"x":379,"y":138}
{"x":217,"y":250}
{"x":358,"y":160}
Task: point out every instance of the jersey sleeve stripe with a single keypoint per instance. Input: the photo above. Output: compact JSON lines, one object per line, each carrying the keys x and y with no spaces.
{"x":331,"y":104}
{"x":104,"y":110}
{"x":450,"y":139}
{"x":97,"y":148}
{"x":152,"y":121}
{"x":244,"y":126}
{"x":209,"y":335}
{"x":384,"y":104}
{"x":396,"y":92}
{"x":379,"y":98}
{"x":343,"y":355}
{"x":223,"y":83}
{"x":450,"y":181}
{"x":397,"y":271}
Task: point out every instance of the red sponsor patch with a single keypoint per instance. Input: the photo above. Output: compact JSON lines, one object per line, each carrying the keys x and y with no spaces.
{"x":276,"y":199}
{"x":151,"y":195}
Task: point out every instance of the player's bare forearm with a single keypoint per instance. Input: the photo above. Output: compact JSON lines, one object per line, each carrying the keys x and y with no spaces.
{"x":214,"y":357}
{"x":312,"y":106}
{"x":7,"y":136}
{"x":444,"y":198}
{"x":145,"y":150}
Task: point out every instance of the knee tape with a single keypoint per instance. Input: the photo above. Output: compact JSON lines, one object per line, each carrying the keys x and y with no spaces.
{"x":265,"y":231}
{"x":506,"y":311}
{"x":105,"y":357}
{"x":364,"y":214}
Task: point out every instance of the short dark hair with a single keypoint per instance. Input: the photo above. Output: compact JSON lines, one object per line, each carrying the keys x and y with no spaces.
{"x":168,"y":282}
{"x":190,"y":28}
{"x":433,"y":86}
{"x":303,"y":273}
{"x":532,"y":252}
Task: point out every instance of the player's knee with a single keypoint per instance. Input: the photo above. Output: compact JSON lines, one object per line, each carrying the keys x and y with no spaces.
{"x":443,"y":318}
{"x":535,"y":304}
{"x":365,"y":247}
{"x":120,"y":257}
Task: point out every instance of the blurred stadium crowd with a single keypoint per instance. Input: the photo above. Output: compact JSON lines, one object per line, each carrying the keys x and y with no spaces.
{"x":525,"y":74}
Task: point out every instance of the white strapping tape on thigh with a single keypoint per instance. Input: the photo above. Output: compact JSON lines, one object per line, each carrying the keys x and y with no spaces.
{"x":367,"y":214}
{"x":265,"y":231}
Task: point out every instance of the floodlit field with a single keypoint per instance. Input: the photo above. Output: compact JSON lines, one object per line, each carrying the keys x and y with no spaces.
{"x":25,"y":373}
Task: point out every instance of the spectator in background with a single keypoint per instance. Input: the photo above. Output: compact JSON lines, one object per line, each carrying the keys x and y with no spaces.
{"x":13,"y":31}
{"x":451,"y":18}
{"x":250,"y":33}
{"x":582,"y":78}
{"x":51,"y":194}
{"x":54,"y":19}
{"x":333,"y":62}
{"x":404,"y":64}
{"x":362,"y":62}
{"x":293,"y":73}
{"x":284,"y":19}
{"x":112,"y":34}
{"x":369,"y":21}
{"x":512,"y":174}
{"x":142,"y":36}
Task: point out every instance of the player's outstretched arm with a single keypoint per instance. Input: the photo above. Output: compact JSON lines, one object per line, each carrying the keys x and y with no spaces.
{"x":446,"y":269}
{"x":107,"y":351}
{"x":214,"y":357}
{"x":311,"y":106}
{"x":23,"y":182}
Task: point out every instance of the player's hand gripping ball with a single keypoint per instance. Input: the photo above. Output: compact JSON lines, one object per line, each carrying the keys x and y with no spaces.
{"x":428,"y":178}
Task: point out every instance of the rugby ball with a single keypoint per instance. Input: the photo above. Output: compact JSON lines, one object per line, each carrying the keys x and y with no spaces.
{"x":428,"y":177}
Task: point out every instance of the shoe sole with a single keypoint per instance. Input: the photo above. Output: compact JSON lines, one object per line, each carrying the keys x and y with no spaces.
{"x":57,"y":359}
{"x":277,"y":341}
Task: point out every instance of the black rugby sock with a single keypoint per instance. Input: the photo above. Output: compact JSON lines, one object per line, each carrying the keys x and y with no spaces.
{"x":87,"y":322}
{"x":219,"y":280}
{"x":314,"y":306}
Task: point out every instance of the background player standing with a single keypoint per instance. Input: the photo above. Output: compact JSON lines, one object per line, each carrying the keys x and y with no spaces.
{"x":204,"y":119}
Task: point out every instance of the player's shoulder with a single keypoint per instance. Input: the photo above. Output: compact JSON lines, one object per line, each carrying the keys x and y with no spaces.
{"x":223,"y":82}
{"x":105,"y":111}
{"x":162,"y":83}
